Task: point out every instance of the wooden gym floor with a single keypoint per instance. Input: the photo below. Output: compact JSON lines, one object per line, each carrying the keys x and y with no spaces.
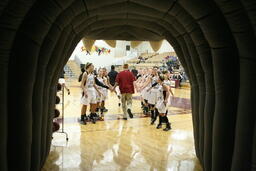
{"x":118,"y":145}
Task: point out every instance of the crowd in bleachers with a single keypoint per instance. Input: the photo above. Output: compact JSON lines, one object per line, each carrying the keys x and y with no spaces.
{"x":167,"y":61}
{"x":98,"y":50}
{"x":144,"y":57}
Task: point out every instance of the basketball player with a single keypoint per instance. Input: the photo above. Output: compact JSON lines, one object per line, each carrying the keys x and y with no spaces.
{"x":138,"y":83}
{"x":90,"y":91}
{"x":152,"y":93}
{"x":106,"y":81}
{"x":143,"y":85}
{"x":167,"y":80}
{"x":101,"y":89}
{"x":162,"y":101}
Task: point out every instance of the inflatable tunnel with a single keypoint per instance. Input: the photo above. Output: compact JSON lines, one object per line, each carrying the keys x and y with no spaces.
{"x":214,"y":40}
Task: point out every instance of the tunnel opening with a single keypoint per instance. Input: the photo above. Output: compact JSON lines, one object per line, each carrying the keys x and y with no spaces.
{"x":120,"y":137}
{"x":214,"y":41}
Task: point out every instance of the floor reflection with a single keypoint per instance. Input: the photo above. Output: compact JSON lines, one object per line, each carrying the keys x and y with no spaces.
{"x":125,"y":153}
{"x":118,"y":145}
{"x":96,"y":147}
{"x":153,"y":147}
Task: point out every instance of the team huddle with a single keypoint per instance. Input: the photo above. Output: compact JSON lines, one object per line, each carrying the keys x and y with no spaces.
{"x":154,"y":88}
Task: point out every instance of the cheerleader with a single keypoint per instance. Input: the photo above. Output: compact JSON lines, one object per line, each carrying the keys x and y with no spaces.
{"x":89,"y":93}
{"x":162,"y":101}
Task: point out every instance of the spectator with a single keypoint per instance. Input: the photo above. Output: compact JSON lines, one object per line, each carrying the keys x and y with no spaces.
{"x":99,"y":52}
{"x":88,"y":52}
{"x":141,"y":59}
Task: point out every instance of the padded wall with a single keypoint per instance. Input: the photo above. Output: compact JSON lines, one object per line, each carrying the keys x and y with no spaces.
{"x":215,"y":41}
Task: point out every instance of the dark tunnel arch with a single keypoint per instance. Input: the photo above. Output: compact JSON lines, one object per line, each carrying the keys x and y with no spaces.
{"x":215,"y":41}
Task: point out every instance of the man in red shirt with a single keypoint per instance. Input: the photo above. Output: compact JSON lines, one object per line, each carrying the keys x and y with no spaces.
{"x":125,"y":81}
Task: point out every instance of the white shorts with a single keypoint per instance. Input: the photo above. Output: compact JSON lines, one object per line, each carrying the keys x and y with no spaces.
{"x":91,"y":97}
{"x":104,"y":94}
{"x":161,"y":107}
{"x":145,"y":93}
{"x":152,"y":97}
{"x":98,"y":98}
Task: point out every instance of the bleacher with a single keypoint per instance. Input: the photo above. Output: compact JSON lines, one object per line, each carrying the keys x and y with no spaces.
{"x":143,"y":55}
{"x":68,"y":72}
{"x":153,"y":59}
{"x":72,"y":69}
{"x":158,"y":58}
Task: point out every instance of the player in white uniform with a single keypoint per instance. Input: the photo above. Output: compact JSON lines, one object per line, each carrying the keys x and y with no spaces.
{"x":145,"y":85}
{"x":162,"y":103}
{"x":167,"y":81}
{"x":141,"y":79}
{"x":101,"y":89}
{"x":105,"y":91}
{"x":150,"y":93}
{"x":152,"y":96}
{"x":90,"y":91}
{"x":145,"y":93}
